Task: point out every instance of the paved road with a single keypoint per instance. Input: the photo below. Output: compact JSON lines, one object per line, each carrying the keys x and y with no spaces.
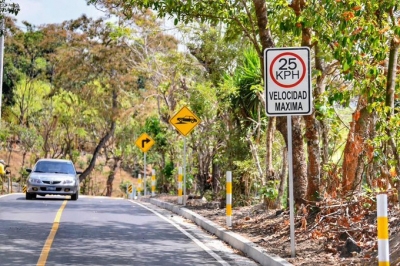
{"x":102,"y":231}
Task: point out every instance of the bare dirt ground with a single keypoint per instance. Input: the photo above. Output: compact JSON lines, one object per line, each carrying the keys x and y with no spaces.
{"x":320,"y":234}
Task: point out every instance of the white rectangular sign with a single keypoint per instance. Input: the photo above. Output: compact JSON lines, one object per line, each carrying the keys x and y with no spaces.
{"x":287,"y":75}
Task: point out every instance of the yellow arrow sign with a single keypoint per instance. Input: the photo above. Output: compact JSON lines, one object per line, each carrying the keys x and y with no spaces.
{"x":184,"y":121}
{"x":144,"y":142}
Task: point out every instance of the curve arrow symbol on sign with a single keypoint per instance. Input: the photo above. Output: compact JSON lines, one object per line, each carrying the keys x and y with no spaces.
{"x":145,"y":141}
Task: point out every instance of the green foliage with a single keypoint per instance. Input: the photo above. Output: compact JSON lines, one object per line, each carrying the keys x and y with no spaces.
{"x":117,"y":31}
{"x":248,"y":80}
{"x":168,"y":172}
{"x":190,"y":181}
{"x":23,"y":175}
{"x":29,"y":138}
{"x":270,"y":191}
{"x":81,"y":164}
{"x":8,"y":8}
{"x":123,"y":186}
{"x":157,"y":131}
{"x":5,"y":133}
{"x":88,"y":158}
{"x":208,"y":45}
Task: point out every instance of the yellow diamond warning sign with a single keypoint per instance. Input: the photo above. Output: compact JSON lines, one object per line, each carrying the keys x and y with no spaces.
{"x":185,"y":121}
{"x":144,"y":142}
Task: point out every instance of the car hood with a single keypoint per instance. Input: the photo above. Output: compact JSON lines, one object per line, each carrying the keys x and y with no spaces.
{"x":51,"y":176}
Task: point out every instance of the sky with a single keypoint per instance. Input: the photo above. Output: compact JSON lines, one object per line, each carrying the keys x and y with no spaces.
{"x":39,"y":12}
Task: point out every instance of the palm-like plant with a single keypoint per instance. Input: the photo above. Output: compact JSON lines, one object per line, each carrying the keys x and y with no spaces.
{"x":248,"y":79}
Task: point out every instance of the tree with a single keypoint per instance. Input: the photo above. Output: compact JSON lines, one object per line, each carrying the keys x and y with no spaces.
{"x":236,"y":16}
{"x":7,"y":9}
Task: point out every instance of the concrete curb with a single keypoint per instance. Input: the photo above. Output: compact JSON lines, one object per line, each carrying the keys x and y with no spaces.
{"x":234,"y":240}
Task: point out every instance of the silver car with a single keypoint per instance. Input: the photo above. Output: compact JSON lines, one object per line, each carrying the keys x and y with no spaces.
{"x":53,"y":177}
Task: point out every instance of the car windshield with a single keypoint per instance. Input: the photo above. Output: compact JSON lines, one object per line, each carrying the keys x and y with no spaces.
{"x":54,"y":167}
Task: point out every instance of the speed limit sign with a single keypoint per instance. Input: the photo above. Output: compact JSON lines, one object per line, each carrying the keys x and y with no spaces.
{"x":287,"y":81}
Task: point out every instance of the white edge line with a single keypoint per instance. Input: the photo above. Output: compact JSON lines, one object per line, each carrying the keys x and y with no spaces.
{"x":198,"y":242}
{"x":5,"y":195}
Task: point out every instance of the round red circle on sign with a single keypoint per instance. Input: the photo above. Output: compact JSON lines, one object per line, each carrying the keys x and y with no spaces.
{"x":287,"y":85}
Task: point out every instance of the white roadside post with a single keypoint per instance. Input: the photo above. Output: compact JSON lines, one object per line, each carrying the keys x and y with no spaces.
{"x":229,"y":199}
{"x":134,"y":193}
{"x":287,"y":79}
{"x":180,"y":201}
{"x":139,"y":185}
{"x":153,"y":183}
{"x":130,"y":191}
{"x":383,"y":230}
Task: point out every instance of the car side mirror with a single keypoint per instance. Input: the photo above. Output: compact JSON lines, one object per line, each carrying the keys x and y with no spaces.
{"x":28,"y":170}
{"x":79,"y":172}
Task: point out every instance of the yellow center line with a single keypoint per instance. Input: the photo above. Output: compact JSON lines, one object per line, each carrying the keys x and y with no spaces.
{"x":47,"y":246}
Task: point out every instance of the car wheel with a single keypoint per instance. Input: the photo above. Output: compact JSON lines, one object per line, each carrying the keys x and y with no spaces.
{"x":30,"y":196}
{"x":75,"y":196}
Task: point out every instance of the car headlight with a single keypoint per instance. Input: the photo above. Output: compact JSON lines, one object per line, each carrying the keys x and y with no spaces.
{"x":68,"y":181}
{"x":35,"y":180}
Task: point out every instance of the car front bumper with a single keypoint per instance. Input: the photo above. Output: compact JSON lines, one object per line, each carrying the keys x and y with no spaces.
{"x":51,"y":189}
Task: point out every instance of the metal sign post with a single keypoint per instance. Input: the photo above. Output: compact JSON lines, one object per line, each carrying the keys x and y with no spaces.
{"x":145,"y":174}
{"x":184,"y":171}
{"x":144,"y":142}
{"x":291,"y":199}
{"x":184,"y":121}
{"x":287,"y":79}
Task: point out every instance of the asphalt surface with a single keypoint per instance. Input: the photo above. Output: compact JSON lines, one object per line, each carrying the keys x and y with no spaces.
{"x":102,"y":231}
{"x":240,"y":243}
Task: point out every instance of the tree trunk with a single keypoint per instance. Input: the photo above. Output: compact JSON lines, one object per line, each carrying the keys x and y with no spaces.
{"x":283,"y":177}
{"x":313,"y":130}
{"x":254,"y":153}
{"x":314,"y":158}
{"x":270,"y":174}
{"x":355,"y":148}
{"x":299,"y":169}
{"x":103,"y":140}
{"x":216,"y":176}
{"x":111,"y":176}
{"x":263,"y":27}
{"x":390,"y":91}
{"x":373,"y":165}
{"x":312,"y":125}
{"x":299,"y":165}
